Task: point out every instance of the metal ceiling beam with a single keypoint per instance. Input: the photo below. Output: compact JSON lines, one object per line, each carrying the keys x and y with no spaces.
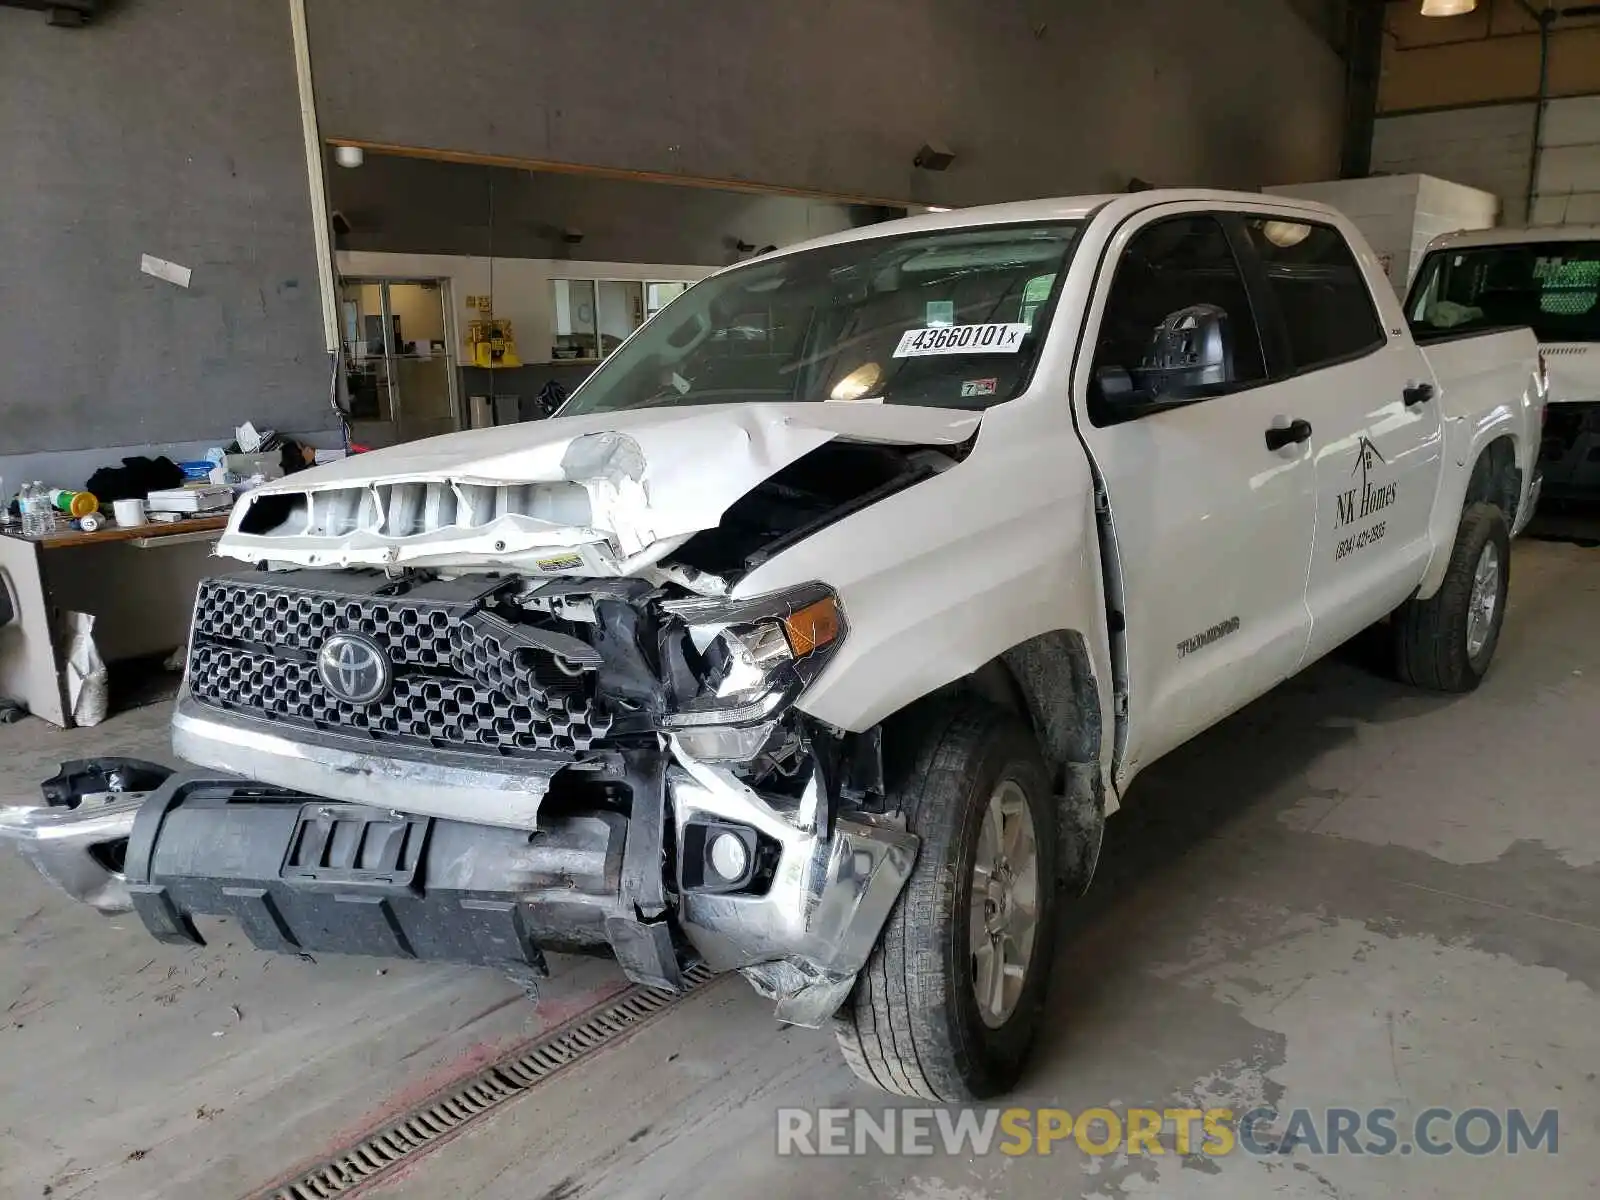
{"x":1363,"y":62}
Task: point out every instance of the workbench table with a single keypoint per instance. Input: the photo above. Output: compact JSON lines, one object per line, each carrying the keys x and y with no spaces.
{"x":141,"y":602}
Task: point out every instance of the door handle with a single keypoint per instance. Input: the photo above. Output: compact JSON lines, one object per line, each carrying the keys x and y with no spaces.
{"x":1418,"y":393}
{"x":1295,"y":431}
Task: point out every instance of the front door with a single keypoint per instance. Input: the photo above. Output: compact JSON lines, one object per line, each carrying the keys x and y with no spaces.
{"x":1212,"y":526}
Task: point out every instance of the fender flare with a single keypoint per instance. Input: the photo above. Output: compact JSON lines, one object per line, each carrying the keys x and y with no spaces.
{"x":1465,"y":452}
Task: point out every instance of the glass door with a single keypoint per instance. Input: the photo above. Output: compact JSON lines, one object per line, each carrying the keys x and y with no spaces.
{"x":400,"y":373}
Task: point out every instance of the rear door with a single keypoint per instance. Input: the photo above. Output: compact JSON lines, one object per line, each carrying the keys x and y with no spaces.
{"x":1356,"y":376}
{"x":1212,"y":529}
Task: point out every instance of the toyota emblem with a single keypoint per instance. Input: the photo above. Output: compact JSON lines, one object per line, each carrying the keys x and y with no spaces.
{"x":354,"y":668}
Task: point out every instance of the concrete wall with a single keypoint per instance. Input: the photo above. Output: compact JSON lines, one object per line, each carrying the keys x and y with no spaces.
{"x":171,"y":129}
{"x":1037,"y":98}
{"x":1487,"y":56}
{"x":1489,"y":147}
{"x":1476,"y":79}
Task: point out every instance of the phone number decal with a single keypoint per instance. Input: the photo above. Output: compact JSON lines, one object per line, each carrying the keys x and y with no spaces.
{"x":1369,"y":536}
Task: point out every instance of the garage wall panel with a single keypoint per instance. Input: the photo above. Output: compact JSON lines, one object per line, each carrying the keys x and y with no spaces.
{"x":167,"y":128}
{"x":1036,"y":98}
{"x":1569,"y":165}
{"x":1489,"y":147}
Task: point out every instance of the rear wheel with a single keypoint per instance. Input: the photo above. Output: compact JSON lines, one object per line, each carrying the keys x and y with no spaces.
{"x":1445,"y":643}
{"x":948,"y":1004}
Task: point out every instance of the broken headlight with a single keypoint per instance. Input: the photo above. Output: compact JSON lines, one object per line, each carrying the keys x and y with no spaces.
{"x":751,"y":659}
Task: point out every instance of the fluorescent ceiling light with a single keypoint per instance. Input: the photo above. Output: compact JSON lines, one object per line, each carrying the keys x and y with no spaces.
{"x":1447,"y":8}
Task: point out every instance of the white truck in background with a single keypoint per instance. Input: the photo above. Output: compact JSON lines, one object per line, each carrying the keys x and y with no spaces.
{"x":1547,"y":279}
{"x":819,"y":633}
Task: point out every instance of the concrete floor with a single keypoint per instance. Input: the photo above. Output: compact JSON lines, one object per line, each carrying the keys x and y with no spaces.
{"x":1349,"y":895}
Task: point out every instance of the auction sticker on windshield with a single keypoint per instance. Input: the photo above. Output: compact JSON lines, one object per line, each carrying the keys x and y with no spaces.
{"x":961,"y":339}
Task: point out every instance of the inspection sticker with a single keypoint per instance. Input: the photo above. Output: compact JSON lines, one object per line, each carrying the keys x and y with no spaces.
{"x":979,"y":387}
{"x":961,"y":339}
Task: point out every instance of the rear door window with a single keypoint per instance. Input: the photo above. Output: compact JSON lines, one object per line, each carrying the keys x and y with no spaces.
{"x":1553,"y":287}
{"x":1313,"y":276}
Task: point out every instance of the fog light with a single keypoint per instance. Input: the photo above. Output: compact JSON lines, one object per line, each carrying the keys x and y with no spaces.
{"x":720,"y":857}
{"x":729,"y":857}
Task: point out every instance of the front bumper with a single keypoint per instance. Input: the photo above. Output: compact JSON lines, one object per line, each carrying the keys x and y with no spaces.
{"x":804,"y":941}
{"x":301,"y":872}
{"x":73,"y":847}
{"x":453,"y":786}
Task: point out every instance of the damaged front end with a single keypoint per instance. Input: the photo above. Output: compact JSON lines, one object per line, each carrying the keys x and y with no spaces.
{"x":511,"y":703}
{"x":483,"y":768}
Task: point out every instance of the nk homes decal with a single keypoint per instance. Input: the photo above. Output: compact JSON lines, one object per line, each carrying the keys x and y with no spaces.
{"x":1369,"y":496}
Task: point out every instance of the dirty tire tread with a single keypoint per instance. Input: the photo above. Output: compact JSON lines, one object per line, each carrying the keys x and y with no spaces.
{"x":1430,"y":636}
{"x":897,"y":1031}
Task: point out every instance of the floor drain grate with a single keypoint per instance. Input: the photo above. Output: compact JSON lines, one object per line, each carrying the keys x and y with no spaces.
{"x":446,"y":1113}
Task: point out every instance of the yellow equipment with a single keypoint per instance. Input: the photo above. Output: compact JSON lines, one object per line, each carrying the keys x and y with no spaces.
{"x":492,"y":343}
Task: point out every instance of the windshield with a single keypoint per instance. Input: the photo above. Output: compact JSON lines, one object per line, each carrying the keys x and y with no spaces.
{"x":950,"y":319}
{"x":1552,"y":286}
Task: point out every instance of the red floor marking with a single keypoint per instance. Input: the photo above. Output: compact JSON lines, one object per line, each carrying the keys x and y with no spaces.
{"x":447,"y":1074}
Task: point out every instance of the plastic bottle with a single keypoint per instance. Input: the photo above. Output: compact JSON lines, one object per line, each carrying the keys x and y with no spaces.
{"x":74,"y":504}
{"x":38,"y":520}
{"x":47,"y":511}
{"x":25,"y":505}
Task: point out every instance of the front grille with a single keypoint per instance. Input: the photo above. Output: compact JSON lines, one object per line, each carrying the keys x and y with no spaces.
{"x":456,"y":686}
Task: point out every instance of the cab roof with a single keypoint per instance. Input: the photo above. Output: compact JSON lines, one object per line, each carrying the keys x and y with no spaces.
{"x":1064,"y":208}
{"x":1512,"y":237}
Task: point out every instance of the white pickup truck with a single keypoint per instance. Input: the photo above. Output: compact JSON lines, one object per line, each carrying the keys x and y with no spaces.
{"x":1549,"y":280}
{"x":819,"y":633}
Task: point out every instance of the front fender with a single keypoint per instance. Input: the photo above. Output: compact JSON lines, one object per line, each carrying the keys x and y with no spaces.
{"x":943,"y":577}
{"x":1466,"y":438}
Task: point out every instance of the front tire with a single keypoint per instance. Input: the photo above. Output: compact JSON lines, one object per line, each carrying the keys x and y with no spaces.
{"x":1445,"y":643}
{"x":949,"y":1002}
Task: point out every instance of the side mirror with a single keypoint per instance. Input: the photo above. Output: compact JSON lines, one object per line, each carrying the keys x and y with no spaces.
{"x":1190,"y":353}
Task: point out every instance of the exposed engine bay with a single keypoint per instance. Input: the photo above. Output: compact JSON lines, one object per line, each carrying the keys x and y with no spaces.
{"x":480,"y":763}
{"x":514,"y":665}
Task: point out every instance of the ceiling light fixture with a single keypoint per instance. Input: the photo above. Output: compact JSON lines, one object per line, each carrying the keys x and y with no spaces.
{"x":858,"y":385}
{"x":349,"y":156}
{"x":1284,"y":234}
{"x":1447,"y":8}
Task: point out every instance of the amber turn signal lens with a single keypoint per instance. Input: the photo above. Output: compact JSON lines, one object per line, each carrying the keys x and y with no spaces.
{"x":813,"y":626}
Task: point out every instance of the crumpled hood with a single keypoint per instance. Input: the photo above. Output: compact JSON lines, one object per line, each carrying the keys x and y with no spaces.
{"x":601,"y":494}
